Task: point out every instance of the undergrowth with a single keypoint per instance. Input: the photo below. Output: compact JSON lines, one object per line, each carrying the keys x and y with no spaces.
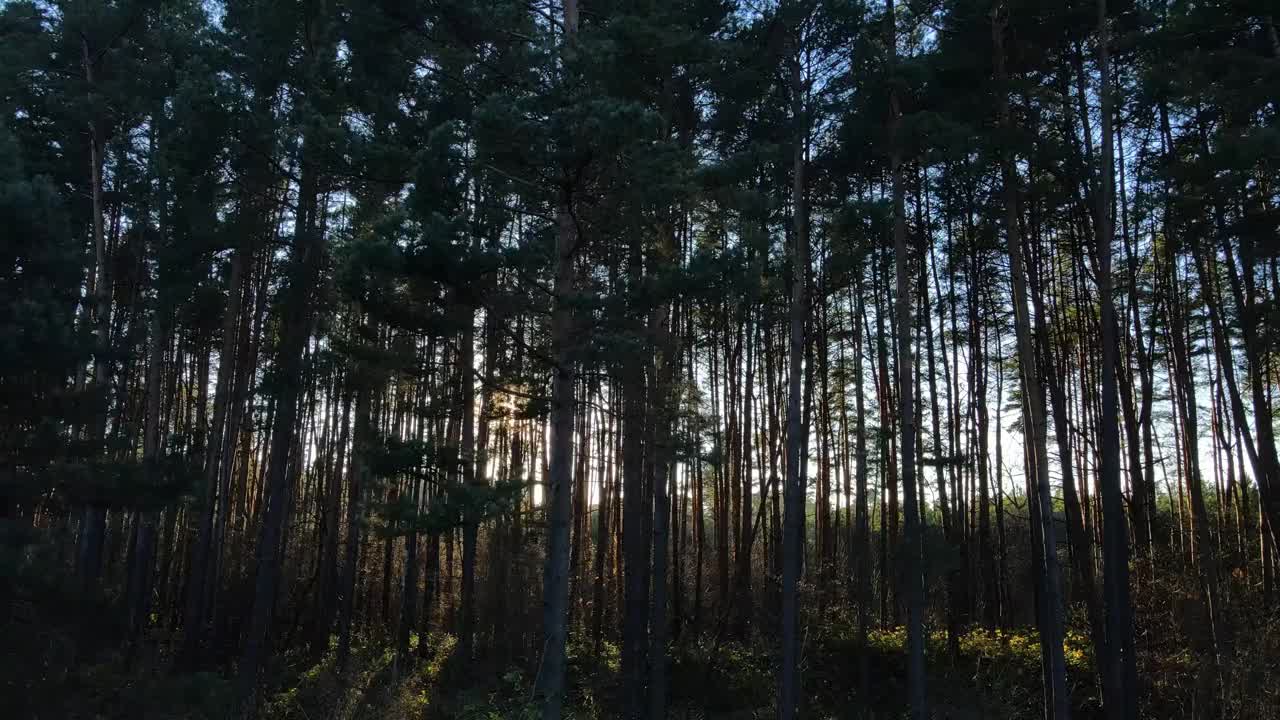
{"x":49,"y":671}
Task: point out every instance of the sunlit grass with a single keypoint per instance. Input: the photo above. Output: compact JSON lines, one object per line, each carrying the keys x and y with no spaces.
{"x":415,"y":692}
{"x":368,"y":688}
{"x":1019,"y":645}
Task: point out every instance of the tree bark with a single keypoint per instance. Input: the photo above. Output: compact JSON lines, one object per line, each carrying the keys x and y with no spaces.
{"x":297,"y":314}
{"x":1120,"y":667}
{"x":551,"y":679}
{"x":792,"y":540}
{"x":1057,"y":703}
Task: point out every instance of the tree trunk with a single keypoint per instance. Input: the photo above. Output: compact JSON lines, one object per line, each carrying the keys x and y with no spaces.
{"x":1057,"y":704}
{"x":913,"y":557}
{"x":550,"y":681}
{"x":297,"y":314}
{"x":1120,"y":693}
{"x":472,"y":477}
{"x":792,"y":539}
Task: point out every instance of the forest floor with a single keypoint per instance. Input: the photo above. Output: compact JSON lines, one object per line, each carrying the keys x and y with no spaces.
{"x":981,"y":674}
{"x":995,"y":675}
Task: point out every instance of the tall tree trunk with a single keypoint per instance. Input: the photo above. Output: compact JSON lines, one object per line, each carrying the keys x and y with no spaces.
{"x":977,"y":370}
{"x":797,"y":442}
{"x":363,"y":381}
{"x":472,"y":477}
{"x":635,"y":509}
{"x":550,"y":682}
{"x":328,"y":561}
{"x":861,"y":552}
{"x":603,"y":534}
{"x":1204,"y":547}
{"x":297,"y":313}
{"x":140,"y":581}
{"x":664,"y":417}
{"x":94,"y":516}
{"x":913,"y":551}
{"x":1057,"y":704}
{"x":199,"y":570}
{"x":1120,"y":667}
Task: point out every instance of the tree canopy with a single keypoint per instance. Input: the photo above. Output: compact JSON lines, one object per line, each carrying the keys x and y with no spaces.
{"x":639,"y":358}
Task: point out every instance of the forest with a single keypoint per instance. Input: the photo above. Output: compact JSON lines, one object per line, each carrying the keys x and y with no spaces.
{"x":482,"y":359}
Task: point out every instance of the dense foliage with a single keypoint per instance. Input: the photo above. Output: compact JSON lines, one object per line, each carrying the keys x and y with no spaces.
{"x":639,"y":358}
